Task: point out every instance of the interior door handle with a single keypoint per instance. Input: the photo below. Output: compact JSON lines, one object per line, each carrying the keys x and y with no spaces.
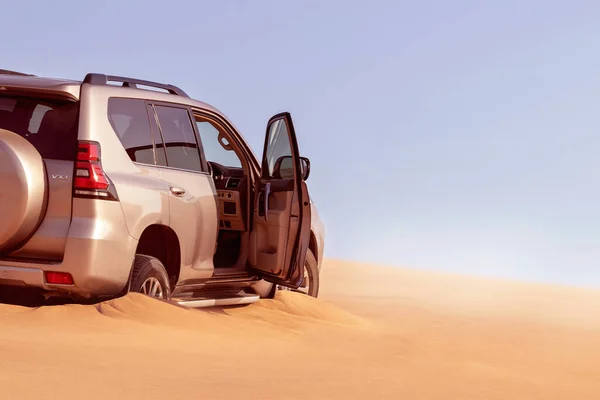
{"x":177,"y":191}
{"x":267,"y":193}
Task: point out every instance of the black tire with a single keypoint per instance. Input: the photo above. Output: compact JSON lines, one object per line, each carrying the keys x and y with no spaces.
{"x":312,"y":268}
{"x":144,"y":269}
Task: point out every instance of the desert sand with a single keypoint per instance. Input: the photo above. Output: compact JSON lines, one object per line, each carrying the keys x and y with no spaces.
{"x":374,"y":333}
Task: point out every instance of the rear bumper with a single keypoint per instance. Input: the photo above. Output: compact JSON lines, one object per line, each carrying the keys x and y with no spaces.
{"x":99,"y":253}
{"x":21,"y":276}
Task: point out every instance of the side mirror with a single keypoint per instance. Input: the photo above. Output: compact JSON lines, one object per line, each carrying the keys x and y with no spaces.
{"x":305,"y":165}
{"x":284,"y":168}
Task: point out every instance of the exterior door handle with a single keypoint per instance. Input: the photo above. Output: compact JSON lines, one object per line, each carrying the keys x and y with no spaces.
{"x":177,"y":191}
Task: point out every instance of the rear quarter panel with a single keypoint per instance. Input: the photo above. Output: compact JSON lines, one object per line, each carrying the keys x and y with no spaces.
{"x":142,"y":193}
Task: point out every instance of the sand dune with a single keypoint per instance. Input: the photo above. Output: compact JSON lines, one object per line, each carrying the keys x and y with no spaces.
{"x":375,"y":332}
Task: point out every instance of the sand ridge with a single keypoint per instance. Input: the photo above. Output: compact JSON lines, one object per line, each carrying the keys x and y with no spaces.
{"x":387,"y":333}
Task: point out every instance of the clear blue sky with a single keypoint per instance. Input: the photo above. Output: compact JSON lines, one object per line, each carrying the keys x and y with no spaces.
{"x":459,"y":136}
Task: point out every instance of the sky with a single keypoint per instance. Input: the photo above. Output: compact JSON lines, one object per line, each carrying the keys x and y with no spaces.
{"x":455,"y":136}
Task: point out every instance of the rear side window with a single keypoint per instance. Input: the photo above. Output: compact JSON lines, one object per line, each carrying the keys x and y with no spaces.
{"x":130,"y":122}
{"x":50,"y":125}
{"x":179,"y":138}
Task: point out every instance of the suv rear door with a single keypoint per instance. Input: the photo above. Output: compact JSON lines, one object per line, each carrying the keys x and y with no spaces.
{"x":36,"y":186}
{"x":192,"y":194}
{"x":281,"y":221}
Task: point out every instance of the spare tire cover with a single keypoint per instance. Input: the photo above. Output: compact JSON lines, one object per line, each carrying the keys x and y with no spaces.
{"x":22,"y":190}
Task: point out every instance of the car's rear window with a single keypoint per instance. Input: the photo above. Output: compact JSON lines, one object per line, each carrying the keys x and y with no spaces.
{"x":50,"y":125}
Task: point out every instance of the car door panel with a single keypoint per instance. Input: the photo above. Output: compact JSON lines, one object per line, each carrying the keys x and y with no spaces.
{"x":281,"y":223}
{"x":192,"y":194}
{"x":271,"y":227}
{"x":193,"y":217}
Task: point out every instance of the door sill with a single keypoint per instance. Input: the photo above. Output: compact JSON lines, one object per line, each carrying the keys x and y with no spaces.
{"x":230,"y":271}
{"x":201,"y":302}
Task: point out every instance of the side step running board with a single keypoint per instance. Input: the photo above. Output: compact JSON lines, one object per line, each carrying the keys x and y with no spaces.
{"x":217,"y":302}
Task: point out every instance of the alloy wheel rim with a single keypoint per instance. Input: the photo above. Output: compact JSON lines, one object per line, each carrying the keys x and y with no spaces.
{"x":152,"y":287}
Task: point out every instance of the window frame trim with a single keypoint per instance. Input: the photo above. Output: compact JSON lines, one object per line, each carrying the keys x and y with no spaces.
{"x":152,"y":112}
{"x":239,"y":140}
{"x":243,"y":158}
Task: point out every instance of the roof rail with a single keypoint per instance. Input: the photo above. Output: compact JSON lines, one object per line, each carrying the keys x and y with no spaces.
{"x":8,"y":72}
{"x":101,"y":79}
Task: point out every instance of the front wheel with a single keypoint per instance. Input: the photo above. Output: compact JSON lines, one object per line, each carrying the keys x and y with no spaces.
{"x":310,"y":284}
{"x":150,"y":277}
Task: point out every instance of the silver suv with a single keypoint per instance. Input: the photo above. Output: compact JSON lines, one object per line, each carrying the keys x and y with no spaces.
{"x":114,"y":184}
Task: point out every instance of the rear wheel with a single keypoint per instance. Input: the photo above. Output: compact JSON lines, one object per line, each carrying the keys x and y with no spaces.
{"x":150,"y":277}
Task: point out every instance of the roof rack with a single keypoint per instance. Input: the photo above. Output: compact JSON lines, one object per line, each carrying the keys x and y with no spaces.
{"x":101,"y":79}
{"x":8,"y":72}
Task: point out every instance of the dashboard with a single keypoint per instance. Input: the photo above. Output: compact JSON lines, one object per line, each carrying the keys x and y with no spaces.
{"x":232,"y":190}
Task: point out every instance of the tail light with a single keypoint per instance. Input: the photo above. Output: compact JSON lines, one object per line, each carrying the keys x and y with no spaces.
{"x":58,"y":278}
{"x":90,"y":181}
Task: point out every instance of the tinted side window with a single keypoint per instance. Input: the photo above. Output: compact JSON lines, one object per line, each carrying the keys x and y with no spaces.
{"x":161,"y":155}
{"x":278,"y":145}
{"x":179,"y":138}
{"x":129,"y":120}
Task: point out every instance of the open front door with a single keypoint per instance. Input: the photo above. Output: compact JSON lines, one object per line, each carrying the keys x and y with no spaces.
{"x":281,"y":220}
